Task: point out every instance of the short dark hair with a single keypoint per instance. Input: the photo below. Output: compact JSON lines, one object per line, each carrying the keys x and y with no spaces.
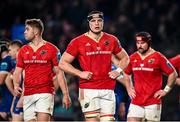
{"x":5,"y":41}
{"x":3,"y":48}
{"x":145,"y":37}
{"x":37,"y":23}
{"x":101,"y":15}
{"x":16,"y":43}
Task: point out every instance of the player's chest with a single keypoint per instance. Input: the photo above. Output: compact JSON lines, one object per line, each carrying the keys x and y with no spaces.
{"x":104,"y":46}
{"x":149,"y":64}
{"x":43,"y":54}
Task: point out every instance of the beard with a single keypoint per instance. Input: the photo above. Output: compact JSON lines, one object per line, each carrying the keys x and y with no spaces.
{"x":142,"y":51}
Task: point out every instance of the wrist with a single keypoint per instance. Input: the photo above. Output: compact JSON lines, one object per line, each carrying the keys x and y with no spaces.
{"x":16,"y":84}
{"x":167,"y":88}
{"x":65,"y":94}
{"x":119,"y":70}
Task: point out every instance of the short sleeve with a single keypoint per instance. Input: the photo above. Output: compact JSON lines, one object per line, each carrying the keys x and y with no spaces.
{"x":72,"y":48}
{"x":56,"y":56}
{"x":165,"y":65}
{"x":19,"y":59}
{"x":117,"y":46}
{"x":128,"y":69}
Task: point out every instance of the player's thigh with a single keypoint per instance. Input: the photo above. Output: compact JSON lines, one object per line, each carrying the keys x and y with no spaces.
{"x":153,"y":112}
{"x":89,"y":100}
{"x":136,"y":111}
{"x":17,"y":117}
{"x":107,"y":102}
{"x":45,"y":103}
{"x":107,"y":105}
{"x":43,"y":116}
{"x":29,"y":107}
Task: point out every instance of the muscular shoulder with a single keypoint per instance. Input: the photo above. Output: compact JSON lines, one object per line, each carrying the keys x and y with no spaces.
{"x":175,"y":59}
{"x":51,"y":46}
{"x":159,"y":55}
{"x":110,"y":36}
{"x":78,"y":38}
{"x":134,"y":56}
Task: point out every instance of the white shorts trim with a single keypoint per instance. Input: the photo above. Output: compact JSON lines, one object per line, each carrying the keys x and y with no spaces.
{"x":95,"y":99}
{"x":150,"y":112}
{"x":32,"y":104}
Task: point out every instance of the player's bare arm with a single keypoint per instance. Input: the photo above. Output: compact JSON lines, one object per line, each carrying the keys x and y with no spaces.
{"x":3,"y":76}
{"x":9,"y":83}
{"x":120,"y":78}
{"x":129,"y":86}
{"x":124,"y":59}
{"x":178,"y":81}
{"x":65,"y":64}
{"x":170,"y":83}
{"x":123,"y":62}
{"x":63,"y":85}
{"x":16,"y":80}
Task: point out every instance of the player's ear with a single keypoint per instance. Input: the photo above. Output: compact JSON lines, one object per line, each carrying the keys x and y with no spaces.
{"x":36,"y":31}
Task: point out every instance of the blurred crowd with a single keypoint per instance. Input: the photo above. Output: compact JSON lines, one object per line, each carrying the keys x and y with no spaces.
{"x":65,"y":19}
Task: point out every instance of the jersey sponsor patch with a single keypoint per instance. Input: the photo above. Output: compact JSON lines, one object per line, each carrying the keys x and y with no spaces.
{"x":169,"y":64}
{"x":58,"y":56}
{"x":3,"y":66}
{"x":119,"y":43}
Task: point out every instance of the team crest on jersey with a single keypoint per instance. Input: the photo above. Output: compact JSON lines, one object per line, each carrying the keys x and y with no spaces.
{"x":86,"y":105}
{"x":151,"y":60}
{"x":106,"y":42}
{"x":43,"y":52}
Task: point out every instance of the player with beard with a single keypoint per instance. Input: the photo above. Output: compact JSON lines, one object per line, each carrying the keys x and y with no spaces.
{"x":147,"y":67}
{"x":94,"y":50}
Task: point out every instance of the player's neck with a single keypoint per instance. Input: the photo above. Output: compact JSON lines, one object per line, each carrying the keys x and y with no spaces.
{"x":37,"y":43}
{"x":149,"y":52}
{"x":95,"y":36}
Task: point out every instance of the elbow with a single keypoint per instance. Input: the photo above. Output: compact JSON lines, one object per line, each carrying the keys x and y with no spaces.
{"x":61,"y":65}
{"x":1,"y":82}
{"x":126,"y":60}
{"x":175,"y":74}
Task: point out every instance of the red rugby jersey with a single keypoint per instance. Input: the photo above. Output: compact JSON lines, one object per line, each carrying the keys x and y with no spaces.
{"x":147,"y":75}
{"x":175,"y":61}
{"x":95,"y":57}
{"x":38,"y":68}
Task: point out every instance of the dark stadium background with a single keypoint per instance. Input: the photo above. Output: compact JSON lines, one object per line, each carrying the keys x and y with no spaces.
{"x":65,"y":19}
